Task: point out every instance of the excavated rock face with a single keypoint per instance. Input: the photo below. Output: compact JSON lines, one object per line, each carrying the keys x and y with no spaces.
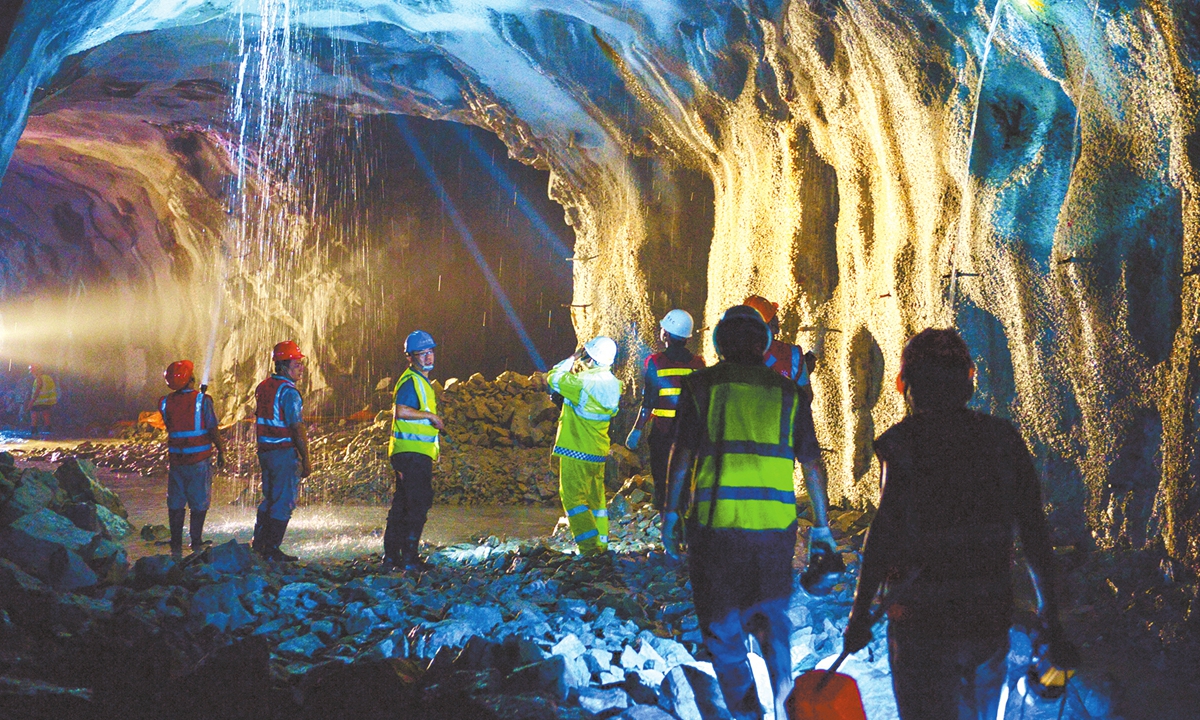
{"x":858,"y":163}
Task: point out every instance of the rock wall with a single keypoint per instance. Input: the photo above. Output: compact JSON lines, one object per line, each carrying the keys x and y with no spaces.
{"x":857,"y":162}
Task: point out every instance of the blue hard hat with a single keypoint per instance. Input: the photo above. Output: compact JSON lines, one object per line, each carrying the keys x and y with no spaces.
{"x":418,"y":341}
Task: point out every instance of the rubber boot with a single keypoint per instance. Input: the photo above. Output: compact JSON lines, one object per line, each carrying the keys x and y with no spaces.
{"x":175,"y":521}
{"x":411,"y":556}
{"x":197,"y":530}
{"x":258,"y":543}
{"x":276,"y":530}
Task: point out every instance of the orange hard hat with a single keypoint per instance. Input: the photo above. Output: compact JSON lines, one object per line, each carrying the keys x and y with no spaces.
{"x":179,"y":374}
{"x":286,"y":350}
{"x":765,"y":307}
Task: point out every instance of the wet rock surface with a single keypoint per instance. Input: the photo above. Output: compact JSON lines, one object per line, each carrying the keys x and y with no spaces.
{"x":61,"y":527}
{"x":495,"y":628}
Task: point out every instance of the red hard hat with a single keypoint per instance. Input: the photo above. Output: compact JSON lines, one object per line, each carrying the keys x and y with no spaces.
{"x":765,"y":307}
{"x":35,"y":369}
{"x":286,"y":350}
{"x":179,"y":374}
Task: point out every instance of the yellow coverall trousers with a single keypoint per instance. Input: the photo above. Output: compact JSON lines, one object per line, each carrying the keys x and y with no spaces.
{"x":581,"y":489}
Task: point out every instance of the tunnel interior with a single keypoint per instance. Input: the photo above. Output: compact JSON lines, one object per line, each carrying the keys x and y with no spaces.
{"x":99,"y":287}
{"x":202,"y":180}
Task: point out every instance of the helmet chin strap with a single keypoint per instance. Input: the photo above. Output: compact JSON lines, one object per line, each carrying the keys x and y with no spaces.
{"x":426,"y":368}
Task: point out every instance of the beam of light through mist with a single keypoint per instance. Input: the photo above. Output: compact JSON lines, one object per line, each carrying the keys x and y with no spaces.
{"x":82,"y":332}
{"x":548,"y":236}
{"x":468,"y":241}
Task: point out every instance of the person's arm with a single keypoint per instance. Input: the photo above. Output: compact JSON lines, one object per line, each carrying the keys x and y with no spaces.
{"x":876,"y":563}
{"x":300,"y":439}
{"x":293,"y":415}
{"x":649,"y":396}
{"x":33,"y":393}
{"x":564,"y":382}
{"x":816,"y":484}
{"x":808,"y":452}
{"x":405,"y":407}
{"x":404,"y":412}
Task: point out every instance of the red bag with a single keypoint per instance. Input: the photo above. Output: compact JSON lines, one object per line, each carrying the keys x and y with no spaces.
{"x":825,"y":695}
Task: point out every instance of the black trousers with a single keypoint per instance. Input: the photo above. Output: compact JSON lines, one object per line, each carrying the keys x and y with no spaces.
{"x":938,"y":675}
{"x":411,"y":503}
{"x":661,"y":437}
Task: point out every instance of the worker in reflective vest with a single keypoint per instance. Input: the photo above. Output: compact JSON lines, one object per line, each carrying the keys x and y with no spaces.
{"x":790,"y":361}
{"x":591,"y":394}
{"x":739,"y":431}
{"x":660,"y":395}
{"x":43,"y":396}
{"x":282,"y":449}
{"x":412,"y":450}
{"x":192,"y":438}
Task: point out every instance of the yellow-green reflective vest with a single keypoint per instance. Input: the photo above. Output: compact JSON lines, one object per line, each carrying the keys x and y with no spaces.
{"x":45,"y":391}
{"x":748,"y":457}
{"x":416,"y":436}
{"x":590,"y":399}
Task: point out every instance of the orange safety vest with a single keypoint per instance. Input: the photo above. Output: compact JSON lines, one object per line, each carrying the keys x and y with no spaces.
{"x":269,"y":428}
{"x":188,"y":442}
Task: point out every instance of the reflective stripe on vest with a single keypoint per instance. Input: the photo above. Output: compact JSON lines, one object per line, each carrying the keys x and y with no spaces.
{"x":748,"y":456}
{"x":269,"y":427}
{"x":187,"y":439}
{"x":669,"y":374}
{"x":417,"y":436}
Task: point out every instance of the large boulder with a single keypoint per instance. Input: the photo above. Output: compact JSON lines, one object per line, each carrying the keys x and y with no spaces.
{"x":33,"y":490}
{"x":77,"y":476}
{"x":106,"y":558}
{"x":46,"y":545}
{"x":693,"y":694}
{"x":220,"y":606}
{"x":96,"y":518}
{"x":27,"y":599}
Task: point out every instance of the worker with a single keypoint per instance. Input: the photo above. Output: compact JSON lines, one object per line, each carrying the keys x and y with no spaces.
{"x":955,"y":483}
{"x":591,"y":394}
{"x":412,"y":450}
{"x":282,"y":446}
{"x":739,"y":430}
{"x":660,"y":395}
{"x":192,"y":438}
{"x":43,"y":396}
{"x":792,"y":362}
{"x":784,"y":358}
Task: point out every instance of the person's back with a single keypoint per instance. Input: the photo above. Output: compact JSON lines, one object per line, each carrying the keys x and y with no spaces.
{"x":955,"y":485}
{"x":961,"y":481}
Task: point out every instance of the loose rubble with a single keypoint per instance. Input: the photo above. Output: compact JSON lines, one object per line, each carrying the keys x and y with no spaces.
{"x":495,"y":449}
{"x":496,"y":629}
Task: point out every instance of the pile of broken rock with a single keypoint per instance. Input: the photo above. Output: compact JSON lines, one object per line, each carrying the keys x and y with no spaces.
{"x":62,"y":527}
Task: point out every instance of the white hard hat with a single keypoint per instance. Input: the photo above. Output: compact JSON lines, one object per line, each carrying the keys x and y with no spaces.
{"x":678,"y":323}
{"x":601,"y":349}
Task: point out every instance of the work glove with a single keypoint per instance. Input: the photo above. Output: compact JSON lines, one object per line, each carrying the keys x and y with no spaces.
{"x":820,"y":539}
{"x":858,"y":633}
{"x":670,"y":533}
{"x":635,"y":436}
